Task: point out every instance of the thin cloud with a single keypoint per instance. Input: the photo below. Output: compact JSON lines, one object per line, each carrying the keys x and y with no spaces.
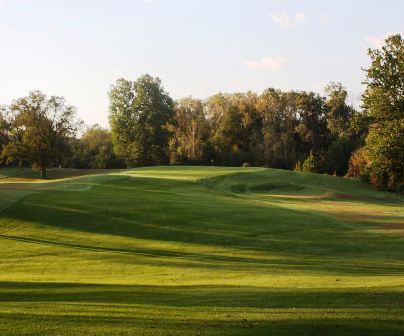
{"x":268,"y":63}
{"x":324,"y":18}
{"x":286,"y":21}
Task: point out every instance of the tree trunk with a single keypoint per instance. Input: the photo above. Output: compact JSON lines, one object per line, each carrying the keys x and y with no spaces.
{"x":43,"y":172}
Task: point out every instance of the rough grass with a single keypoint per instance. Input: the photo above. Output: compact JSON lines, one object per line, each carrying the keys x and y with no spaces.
{"x":200,"y":251}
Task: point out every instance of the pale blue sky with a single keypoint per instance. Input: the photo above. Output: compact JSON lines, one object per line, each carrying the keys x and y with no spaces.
{"x":78,"y":48}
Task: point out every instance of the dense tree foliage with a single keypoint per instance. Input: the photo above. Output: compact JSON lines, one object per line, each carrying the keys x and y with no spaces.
{"x":189,"y":132}
{"x":4,"y":126}
{"x":384,"y":152}
{"x":339,"y":114}
{"x":383,"y":102}
{"x":357,"y":163}
{"x":139,"y":114}
{"x":38,"y":131}
{"x":274,"y":129}
{"x":93,"y":149}
{"x":384,"y":96}
{"x":290,"y":130}
{"x":338,"y":155}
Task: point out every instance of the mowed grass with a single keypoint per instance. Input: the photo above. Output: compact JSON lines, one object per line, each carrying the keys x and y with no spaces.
{"x":200,"y":251}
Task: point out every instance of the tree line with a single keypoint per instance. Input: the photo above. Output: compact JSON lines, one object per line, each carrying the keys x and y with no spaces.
{"x":297,"y":130}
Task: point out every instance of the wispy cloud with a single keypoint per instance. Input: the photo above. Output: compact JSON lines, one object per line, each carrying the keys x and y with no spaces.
{"x":268,"y":63}
{"x":377,"y":41}
{"x":286,"y":21}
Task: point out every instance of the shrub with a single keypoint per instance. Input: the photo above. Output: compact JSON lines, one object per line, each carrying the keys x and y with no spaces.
{"x":357,"y":164}
{"x":246,"y":165}
{"x":298,"y":166}
{"x":310,"y":164}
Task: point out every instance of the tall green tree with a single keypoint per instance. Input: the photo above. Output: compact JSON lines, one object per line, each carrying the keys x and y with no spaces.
{"x":383,"y":101}
{"x":39,"y":131}
{"x":384,"y":94}
{"x":189,"y":132}
{"x":227,"y":140}
{"x":236,"y":128}
{"x":312,"y":131}
{"x":312,"y":117}
{"x":339,"y":114}
{"x":339,"y":117}
{"x":384,"y":152}
{"x":139,"y":114}
{"x":338,"y":155}
{"x":278,"y":113}
{"x":251,"y":122}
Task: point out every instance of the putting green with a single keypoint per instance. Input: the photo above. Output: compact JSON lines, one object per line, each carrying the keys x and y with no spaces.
{"x":199,"y":251}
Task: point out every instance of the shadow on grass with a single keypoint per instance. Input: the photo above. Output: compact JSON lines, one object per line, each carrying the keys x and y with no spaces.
{"x":190,"y":212}
{"x":52,"y":308}
{"x":183,"y":259}
{"x":113,"y":323}
{"x":204,"y":295}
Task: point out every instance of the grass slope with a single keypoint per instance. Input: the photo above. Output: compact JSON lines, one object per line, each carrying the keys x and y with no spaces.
{"x":200,"y":251}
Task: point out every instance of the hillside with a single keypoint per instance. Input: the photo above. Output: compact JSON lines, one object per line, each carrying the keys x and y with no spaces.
{"x":199,"y":251}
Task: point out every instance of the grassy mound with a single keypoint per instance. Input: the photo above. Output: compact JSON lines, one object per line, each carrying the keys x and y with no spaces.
{"x":200,"y":251}
{"x":10,"y":175}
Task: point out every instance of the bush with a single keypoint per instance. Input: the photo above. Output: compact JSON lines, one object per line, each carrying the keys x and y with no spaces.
{"x":310,"y":164}
{"x":357,"y":164}
{"x":298,"y":166}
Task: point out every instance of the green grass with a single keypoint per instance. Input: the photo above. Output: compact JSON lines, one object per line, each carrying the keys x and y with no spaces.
{"x":200,"y":251}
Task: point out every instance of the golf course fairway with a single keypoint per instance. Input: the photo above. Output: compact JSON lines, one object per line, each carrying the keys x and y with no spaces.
{"x":199,"y":251}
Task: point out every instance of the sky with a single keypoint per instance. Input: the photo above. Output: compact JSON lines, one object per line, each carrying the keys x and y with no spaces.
{"x":79,"y":48}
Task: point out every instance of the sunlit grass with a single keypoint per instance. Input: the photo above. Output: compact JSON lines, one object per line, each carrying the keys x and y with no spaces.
{"x":200,"y":251}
